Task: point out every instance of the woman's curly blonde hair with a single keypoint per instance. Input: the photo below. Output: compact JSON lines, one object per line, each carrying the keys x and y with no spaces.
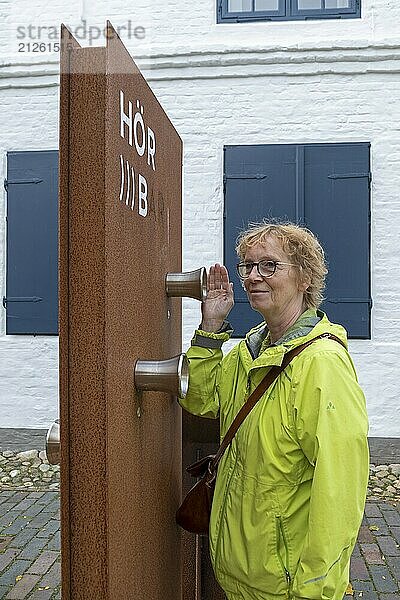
{"x":302,"y":248}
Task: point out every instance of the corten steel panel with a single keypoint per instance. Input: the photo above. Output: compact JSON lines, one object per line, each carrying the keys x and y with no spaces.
{"x":121,"y":479}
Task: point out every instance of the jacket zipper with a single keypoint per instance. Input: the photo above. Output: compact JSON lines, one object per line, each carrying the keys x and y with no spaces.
{"x":281,"y":533}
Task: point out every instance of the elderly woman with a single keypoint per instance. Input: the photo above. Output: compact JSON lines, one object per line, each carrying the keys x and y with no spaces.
{"x":291,"y":487}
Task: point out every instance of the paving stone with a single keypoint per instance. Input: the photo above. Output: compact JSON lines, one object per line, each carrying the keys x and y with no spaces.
{"x":25,"y":504}
{"x":48,"y":497}
{"x":6,"y":507}
{"x":52,"y":577}
{"x":389,"y":596}
{"x":43,"y":562}
{"x":392,"y":517}
{"x":22,"y":588}
{"x":356,"y":551}
{"x":52,"y":507}
{"x":396,"y":533}
{"x":55,"y":542}
{"x":382,"y":579}
{"x":365,"y":536}
{"x":4,"y":542}
{"x":7,"y":519}
{"x":16,"y":526}
{"x":358,"y":569}
{"x":17,"y":568}
{"x":370,"y":595}
{"x":362,"y":586}
{"x":393,"y":563}
{"x":33,"y":548}
{"x":41,"y":595}
{"x":40,"y":520}
{"x":372,"y":554}
{"x":3,"y":591}
{"x":382,"y":526}
{"x":388,"y":545}
{"x":23,"y":537}
{"x":7,"y":557}
{"x":372,"y":510}
{"x":49,"y":529}
{"x":33,"y":510}
{"x":36,"y":494}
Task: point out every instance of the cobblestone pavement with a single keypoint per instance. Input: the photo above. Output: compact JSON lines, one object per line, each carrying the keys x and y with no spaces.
{"x":29,"y":545}
{"x":30,"y":548}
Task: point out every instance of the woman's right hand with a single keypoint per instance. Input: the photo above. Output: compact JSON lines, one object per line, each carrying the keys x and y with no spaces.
{"x":219,"y":301}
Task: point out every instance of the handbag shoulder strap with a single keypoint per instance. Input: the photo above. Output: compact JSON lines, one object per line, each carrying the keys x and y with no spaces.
{"x":259,"y":391}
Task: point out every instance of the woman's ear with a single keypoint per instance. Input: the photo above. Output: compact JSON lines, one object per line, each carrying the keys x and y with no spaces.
{"x":304,"y":284}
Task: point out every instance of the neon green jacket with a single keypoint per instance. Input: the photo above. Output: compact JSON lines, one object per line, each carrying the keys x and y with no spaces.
{"x":291,"y":488}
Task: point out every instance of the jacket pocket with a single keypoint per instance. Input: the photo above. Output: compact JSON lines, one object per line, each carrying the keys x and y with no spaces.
{"x":282,"y":550}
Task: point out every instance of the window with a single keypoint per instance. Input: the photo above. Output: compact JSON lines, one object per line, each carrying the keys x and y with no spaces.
{"x":31,"y":300}
{"x":233,"y":11}
{"x":323,"y":186}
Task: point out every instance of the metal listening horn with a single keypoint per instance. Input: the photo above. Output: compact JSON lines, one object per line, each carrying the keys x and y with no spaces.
{"x":192,"y":284}
{"x":53,"y":444}
{"x":171,"y":375}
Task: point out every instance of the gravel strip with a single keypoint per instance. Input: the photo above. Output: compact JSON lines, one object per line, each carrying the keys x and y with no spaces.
{"x":384,"y":482}
{"x":30,"y":470}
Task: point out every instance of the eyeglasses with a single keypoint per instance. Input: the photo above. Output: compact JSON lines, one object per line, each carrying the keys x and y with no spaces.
{"x":265,"y":268}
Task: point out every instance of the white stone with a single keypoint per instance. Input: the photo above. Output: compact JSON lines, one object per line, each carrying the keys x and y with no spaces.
{"x":395,"y":469}
{"x":44,"y":468}
{"x":27,"y":455}
{"x":43,"y":457}
{"x":8,"y":454}
{"x":14,"y":473}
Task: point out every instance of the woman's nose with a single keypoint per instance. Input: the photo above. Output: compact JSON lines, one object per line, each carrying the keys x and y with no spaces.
{"x":254,"y":274}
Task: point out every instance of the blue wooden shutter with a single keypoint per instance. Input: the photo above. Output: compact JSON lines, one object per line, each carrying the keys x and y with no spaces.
{"x":323,"y":186}
{"x":31,"y":298}
{"x":337,"y":209}
{"x":259,"y":182}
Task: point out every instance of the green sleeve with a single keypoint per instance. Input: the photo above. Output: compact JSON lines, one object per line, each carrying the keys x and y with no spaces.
{"x":332,"y":426}
{"x":205,"y":357}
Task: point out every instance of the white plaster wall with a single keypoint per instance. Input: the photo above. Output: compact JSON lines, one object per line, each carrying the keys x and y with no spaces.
{"x":290,"y":82}
{"x":28,"y":364}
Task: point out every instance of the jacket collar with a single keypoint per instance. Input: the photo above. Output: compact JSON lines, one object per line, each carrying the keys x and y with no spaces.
{"x":256,"y":338}
{"x":309,"y":325}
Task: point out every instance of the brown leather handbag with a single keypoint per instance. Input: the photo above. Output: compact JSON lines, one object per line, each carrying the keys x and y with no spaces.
{"x":194,"y":512}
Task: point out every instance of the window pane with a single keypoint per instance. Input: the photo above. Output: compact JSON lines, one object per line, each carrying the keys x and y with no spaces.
{"x":240,"y":5}
{"x":267,"y":5}
{"x":309,"y":4}
{"x":337,"y":3}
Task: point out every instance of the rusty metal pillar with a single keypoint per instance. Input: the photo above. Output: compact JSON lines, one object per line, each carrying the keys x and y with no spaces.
{"x":120,"y":233}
